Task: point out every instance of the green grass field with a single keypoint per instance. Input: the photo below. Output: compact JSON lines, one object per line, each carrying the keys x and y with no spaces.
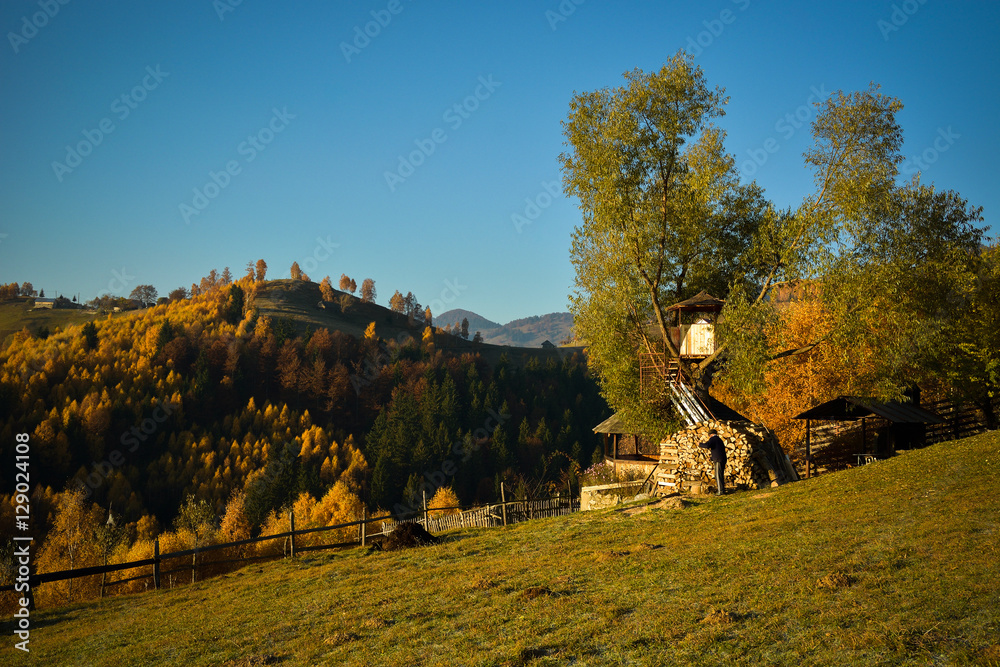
{"x":15,"y":315}
{"x":909,"y":547}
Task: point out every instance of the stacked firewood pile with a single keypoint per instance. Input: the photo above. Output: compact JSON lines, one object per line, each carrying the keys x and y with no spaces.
{"x":754,"y":458}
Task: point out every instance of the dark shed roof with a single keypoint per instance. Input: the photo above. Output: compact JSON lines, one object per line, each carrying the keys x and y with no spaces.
{"x":702,"y":301}
{"x":723,"y":412}
{"x":848,"y":408}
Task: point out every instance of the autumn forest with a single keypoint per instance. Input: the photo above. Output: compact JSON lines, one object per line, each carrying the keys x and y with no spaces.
{"x":200,"y":420}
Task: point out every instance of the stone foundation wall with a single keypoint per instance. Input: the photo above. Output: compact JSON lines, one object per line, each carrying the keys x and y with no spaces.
{"x":754,"y":460}
{"x":607,"y":495}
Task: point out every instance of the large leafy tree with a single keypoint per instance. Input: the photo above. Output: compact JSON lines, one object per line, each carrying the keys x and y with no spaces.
{"x":144,"y":294}
{"x":664,"y":216}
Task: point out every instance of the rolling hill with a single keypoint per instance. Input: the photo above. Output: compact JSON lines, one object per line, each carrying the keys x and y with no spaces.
{"x":299,"y":303}
{"x":891,"y":563}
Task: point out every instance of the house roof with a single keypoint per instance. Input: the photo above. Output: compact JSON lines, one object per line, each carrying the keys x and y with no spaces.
{"x":702,"y":301}
{"x":611,"y":425}
{"x":849,"y":408}
{"x":723,"y":412}
{"x":718,"y":409}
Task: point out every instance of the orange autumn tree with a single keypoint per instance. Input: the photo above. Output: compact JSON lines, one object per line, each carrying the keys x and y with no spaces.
{"x":798,"y":382}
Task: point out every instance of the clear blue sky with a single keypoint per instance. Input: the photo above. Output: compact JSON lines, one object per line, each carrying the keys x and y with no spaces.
{"x":199,"y":83}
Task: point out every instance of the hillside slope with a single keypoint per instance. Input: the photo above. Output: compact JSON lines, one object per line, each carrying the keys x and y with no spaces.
{"x":298,"y":302}
{"x":905,"y":550}
{"x":16,"y":315}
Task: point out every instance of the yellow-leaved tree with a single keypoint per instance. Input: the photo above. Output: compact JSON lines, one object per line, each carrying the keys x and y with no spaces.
{"x":71,"y":544}
{"x":444,"y":502}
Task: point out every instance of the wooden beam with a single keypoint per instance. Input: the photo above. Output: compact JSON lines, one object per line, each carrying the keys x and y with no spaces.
{"x":808,"y":450}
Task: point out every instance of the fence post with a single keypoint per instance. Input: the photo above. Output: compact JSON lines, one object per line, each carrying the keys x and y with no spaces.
{"x":291,"y":523}
{"x":808,"y":451}
{"x":194,"y":564}
{"x":503,"y":499}
{"x":364,"y":524}
{"x":104,"y":575}
{"x":156,"y":564}
{"x":424,"y":493}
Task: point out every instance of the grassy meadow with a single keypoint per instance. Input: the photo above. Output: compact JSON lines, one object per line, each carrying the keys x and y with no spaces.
{"x":893,"y":563}
{"x":16,"y":315}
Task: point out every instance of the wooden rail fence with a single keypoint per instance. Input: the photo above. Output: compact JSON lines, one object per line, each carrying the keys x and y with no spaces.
{"x":500,"y":514}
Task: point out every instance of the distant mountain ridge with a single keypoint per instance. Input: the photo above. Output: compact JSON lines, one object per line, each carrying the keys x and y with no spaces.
{"x":524,"y":332}
{"x":476,"y":322}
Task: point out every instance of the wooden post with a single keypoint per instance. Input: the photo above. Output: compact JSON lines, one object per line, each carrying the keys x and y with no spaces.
{"x":423,"y":492}
{"x":864,"y":439}
{"x":503,"y":499}
{"x":364,"y":524}
{"x":194,"y":564}
{"x":808,"y":451}
{"x":104,"y":575}
{"x":156,"y":564}
{"x":291,"y":523}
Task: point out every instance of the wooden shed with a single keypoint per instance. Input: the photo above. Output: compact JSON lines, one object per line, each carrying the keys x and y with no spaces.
{"x":623,"y":449}
{"x":896,"y":425}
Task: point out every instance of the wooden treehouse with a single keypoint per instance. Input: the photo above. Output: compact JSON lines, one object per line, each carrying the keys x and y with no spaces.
{"x":662,"y":381}
{"x":661,"y":377}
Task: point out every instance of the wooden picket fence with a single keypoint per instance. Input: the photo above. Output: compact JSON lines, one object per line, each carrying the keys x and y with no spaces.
{"x":500,"y":514}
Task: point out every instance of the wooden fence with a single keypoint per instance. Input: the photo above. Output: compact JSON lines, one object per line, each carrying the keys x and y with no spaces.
{"x":500,"y":514}
{"x":960,"y":420}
